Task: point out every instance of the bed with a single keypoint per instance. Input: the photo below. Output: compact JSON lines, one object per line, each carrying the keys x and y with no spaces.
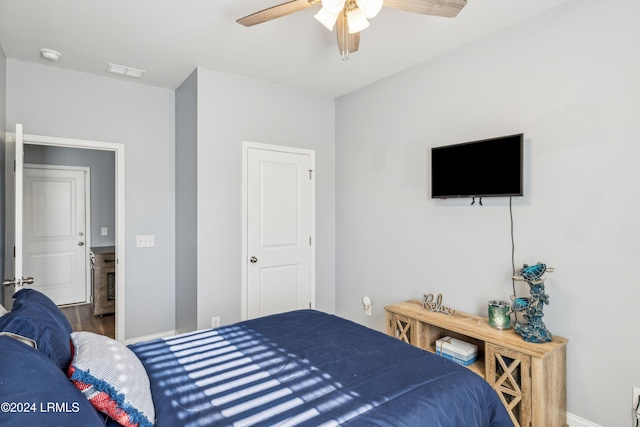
{"x":304,"y":368}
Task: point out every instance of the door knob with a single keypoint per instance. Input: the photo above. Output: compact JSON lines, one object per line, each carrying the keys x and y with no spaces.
{"x":253,"y":260}
{"x":80,"y":243}
{"x":27,"y":281}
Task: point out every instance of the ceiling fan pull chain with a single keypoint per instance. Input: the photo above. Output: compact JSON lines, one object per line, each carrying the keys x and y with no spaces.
{"x":344,"y":34}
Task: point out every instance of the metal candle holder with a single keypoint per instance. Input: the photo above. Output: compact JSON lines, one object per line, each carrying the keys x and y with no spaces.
{"x":499,"y":314}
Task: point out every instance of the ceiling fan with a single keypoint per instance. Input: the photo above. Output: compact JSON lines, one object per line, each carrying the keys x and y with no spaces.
{"x":351,"y":15}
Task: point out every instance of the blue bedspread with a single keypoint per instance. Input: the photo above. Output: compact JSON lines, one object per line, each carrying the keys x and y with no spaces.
{"x":313,"y":369}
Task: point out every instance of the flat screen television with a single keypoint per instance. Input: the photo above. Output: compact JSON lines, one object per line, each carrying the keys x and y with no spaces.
{"x":485,"y":168}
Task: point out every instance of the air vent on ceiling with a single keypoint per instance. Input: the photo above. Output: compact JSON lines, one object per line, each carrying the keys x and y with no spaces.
{"x":125,"y":71}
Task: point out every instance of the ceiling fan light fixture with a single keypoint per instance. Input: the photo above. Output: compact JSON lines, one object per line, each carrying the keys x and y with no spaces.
{"x":370,"y":8}
{"x":350,"y":17}
{"x":357,"y":20}
{"x":326,"y":18}
{"x":333,"y":6}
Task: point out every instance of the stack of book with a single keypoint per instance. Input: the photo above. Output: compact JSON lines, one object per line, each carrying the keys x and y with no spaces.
{"x":457,"y":350}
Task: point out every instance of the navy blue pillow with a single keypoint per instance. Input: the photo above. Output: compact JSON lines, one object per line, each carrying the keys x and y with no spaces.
{"x":36,"y":317}
{"x":35,"y":392}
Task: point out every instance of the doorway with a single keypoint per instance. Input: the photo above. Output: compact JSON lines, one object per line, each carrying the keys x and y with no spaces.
{"x":278,"y":229}
{"x":17,"y":139}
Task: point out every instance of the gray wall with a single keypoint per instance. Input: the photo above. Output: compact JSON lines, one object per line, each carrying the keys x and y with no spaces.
{"x":186,"y":204}
{"x":568,"y":79}
{"x":232,"y":109}
{"x":103,"y":190}
{"x":55,"y":102}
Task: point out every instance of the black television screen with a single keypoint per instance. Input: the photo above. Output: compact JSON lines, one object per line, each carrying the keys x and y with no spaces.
{"x":487,"y":168}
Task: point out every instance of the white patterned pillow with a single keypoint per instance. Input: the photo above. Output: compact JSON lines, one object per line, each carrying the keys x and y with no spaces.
{"x":113,"y":379}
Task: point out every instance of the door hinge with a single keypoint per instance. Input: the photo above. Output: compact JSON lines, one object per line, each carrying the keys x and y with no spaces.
{"x":309,"y":305}
{"x":309,"y":240}
{"x":14,"y":165}
{"x":310,"y":173}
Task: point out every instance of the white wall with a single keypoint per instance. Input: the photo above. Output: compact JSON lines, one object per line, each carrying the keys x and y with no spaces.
{"x":568,"y":79}
{"x":3,"y":127}
{"x":3,"y":95}
{"x":55,"y":102}
{"x":230,"y":110}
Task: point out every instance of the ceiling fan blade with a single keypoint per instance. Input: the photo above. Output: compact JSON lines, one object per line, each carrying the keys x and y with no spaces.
{"x":347,"y":43}
{"x":275,"y":12}
{"x":444,"y":8}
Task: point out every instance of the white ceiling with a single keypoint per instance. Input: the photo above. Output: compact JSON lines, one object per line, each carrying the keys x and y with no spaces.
{"x":169,"y":38}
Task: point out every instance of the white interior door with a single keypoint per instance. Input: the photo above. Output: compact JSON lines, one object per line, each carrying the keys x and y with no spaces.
{"x":14,"y":175}
{"x":55,"y":231}
{"x":279,"y":231}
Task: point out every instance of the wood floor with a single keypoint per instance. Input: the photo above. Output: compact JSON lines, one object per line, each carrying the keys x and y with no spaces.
{"x":82,"y":319}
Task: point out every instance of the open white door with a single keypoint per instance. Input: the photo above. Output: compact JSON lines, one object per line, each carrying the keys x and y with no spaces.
{"x":15,"y":155}
{"x":14,"y":203}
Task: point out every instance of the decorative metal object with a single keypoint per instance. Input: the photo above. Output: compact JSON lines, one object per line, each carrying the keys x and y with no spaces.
{"x":499,"y":314}
{"x":533,"y":330}
{"x":436,"y":307}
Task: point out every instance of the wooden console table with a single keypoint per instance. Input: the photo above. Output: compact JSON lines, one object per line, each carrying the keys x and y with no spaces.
{"x":529,"y":378}
{"x":103,"y":286}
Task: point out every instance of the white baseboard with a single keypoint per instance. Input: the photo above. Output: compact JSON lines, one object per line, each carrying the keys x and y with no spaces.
{"x":575,"y":421}
{"x":164,"y":334}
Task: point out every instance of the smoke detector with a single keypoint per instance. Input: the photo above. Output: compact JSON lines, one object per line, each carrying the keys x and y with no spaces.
{"x":50,"y":54}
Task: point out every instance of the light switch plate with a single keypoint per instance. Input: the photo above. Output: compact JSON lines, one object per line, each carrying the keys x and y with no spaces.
{"x":104,"y":231}
{"x":148,"y":241}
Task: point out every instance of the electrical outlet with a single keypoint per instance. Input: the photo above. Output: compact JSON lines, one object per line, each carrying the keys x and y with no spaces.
{"x":366,"y":302}
{"x":104,"y":231}
{"x":635,"y":405}
{"x":215,"y":321}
